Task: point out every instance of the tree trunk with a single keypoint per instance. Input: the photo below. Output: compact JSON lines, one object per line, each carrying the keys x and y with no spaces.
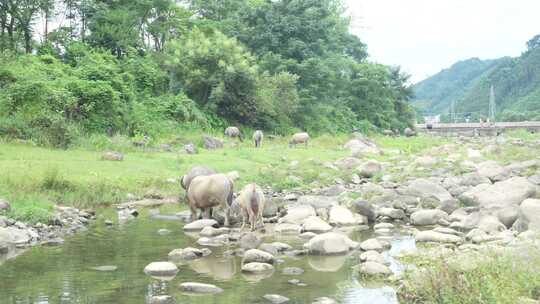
{"x":46,"y":25}
{"x":10,"y":29}
{"x":27,"y":39}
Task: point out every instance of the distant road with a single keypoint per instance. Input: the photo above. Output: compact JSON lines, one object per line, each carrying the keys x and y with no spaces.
{"x":456,"y":127}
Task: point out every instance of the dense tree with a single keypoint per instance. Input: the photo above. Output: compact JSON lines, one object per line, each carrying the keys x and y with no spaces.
{"x":146,"y":66}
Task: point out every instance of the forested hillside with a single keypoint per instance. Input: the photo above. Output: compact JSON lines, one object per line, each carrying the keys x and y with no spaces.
{"x":435,"y":94}
{"x":134,"y":67}
{"x":516,"y":83}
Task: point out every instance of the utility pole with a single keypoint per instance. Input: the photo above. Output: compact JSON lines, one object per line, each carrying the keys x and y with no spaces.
{"x":492,"y":104}
{"x":453,"y":111}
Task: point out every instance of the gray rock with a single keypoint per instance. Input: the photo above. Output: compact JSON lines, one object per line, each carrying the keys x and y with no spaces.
{"x":374,"y":269}
{"x":508,"y":215}
{"x":211,"y":231}
{"x":348,"y":163}
{"x":426,"y":188}
{"x":217,"y":241}
{"x":491,"y":224}
{"x":4,"y":205}
{"x":249,"y":240}
{"x":512,"y":191}
{"x":535,"y":179}
{"x":428,"y":217}
{"x":361,"y":146}
{"x":112,"y":156}
{"x":373,"y":256}
{"x":370,"y":168}
{"x":530,"y":210}
{"x":492,"y":170}
{"x":200,"y":288}
{"x":200,"y":224}
{"x":297,"y":214}
{"x":324,"y":300}
{"x":409,"y":132}
{"x":342,"y":216}
{"x":188,"y":254}
{"x":190,"y":148}
{"x":276,"y":299}
{"x":330,"y":243}
{"x":163,"y":231}
{"x":371,"y":244}
{"x":292,"y":271}
{"x":437,"y":237}
{"x":256,"y":267}
{"x":286,"y":228}
{"x":449,"y":206}
{"x":315,"y":224}
{"x":164,"y":299}
{"x":391,"y":213}
{"x":318,"y":201}
{"x":212,"y":143}
{"x":105,"y":268}
{"x":161,"y":269}
{"x":256,"y":255}
{"x":474,"y":179}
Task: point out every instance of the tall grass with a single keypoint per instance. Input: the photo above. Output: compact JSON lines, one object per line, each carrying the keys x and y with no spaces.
{"x":488,"y":278}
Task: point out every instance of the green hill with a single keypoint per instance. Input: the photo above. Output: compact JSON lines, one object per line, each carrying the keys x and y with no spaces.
{"x":516,"y":83}
{"x":436,"y":93}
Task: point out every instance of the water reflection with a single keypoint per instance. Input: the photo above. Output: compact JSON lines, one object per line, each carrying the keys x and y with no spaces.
{"x":219,"y":268}
{"x":327,"y":263}
{"x":63,"y":274}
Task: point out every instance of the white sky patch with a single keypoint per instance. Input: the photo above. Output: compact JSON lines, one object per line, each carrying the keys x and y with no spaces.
{"x":426,"y":36}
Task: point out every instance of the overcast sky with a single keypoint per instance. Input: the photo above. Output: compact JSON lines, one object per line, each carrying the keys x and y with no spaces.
{"x":425,"y":36}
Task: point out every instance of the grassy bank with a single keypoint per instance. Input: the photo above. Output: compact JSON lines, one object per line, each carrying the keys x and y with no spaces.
{"x":34,"y":178}
{"x":489,"y":277}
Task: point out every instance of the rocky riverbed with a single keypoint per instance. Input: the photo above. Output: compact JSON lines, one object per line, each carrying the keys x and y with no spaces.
{"x":458,"y":201}
{"x":16,"y":236}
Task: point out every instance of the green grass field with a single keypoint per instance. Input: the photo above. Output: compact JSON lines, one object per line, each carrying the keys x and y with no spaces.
{"x":34,"y":178}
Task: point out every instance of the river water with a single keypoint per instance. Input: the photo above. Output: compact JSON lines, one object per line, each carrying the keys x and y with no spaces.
{"x":64,"y":274}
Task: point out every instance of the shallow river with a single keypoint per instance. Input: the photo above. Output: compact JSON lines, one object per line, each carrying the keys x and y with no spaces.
{"x":64,"y":274}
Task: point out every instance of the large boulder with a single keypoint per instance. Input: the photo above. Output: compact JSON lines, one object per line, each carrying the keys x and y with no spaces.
{"x":348,"y":163}
{"x":256,"y":267}
{"x":200,"y":288}
{"x":360,"y":146}
{"x":188,"y":253}
{"x":212,"y":143}
{"x":14,"y":236}
{"x":437,"y":237}
{"x":286,"y":228}
{"x":256,"y":255}
{"x":249,"y":240}
{"x":297,"y":214}
{"x":342,"y":216}
{"x":161,"y":269}
{"x":315,"y":224}
{"x":317,"y":201}
{"x":276,"y":299}
{"x":374,"y":269}
{"x":370,"y":168}
{"x":409,"y":132}
{"x":373,"y":256}
{"x":512,"y":191}
{"x":371,"y":244}
{"x":530,"y":210}
{"x":427,"y":188}
{"x":492,"y":170}
{"x":330,"y":243}
{"x":491,"y":225}
{"x":4,"y":205}
{"x":112,"y":156}
{"x":428,"y":217}
{"x":508,"y":215}
{"x":200,"y":224}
